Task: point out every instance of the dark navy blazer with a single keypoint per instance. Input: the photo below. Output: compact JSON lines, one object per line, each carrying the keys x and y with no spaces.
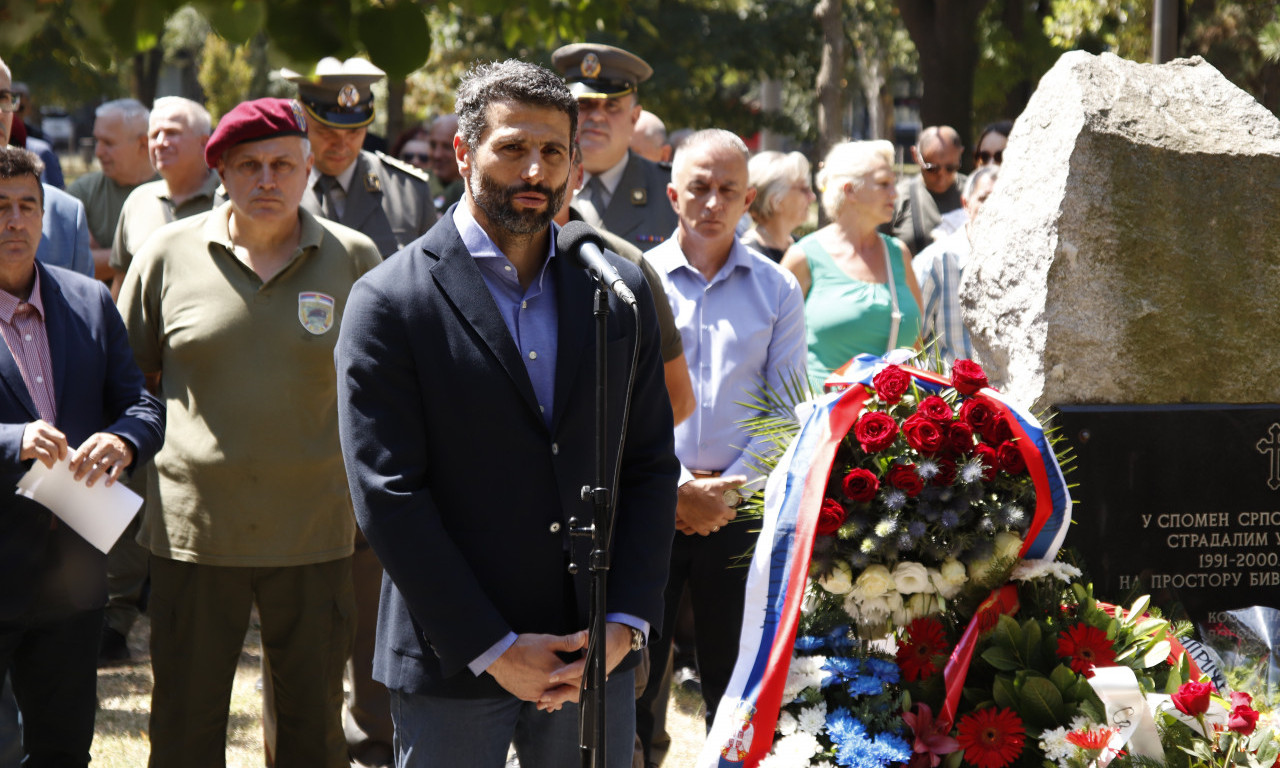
{"x":462,"y":489}
{"x":49,"y":570}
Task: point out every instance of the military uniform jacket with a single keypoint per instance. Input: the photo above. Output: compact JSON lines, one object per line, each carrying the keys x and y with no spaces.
{"x":639,"y":211}
{"x":386,"y":202}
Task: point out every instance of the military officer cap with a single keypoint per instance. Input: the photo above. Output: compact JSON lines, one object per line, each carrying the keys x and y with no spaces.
{"x":595,"y":71}
{"x":338,"y":94}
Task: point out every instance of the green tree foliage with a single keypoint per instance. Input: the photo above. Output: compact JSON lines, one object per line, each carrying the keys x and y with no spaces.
{"x":1241,"y":39}
{"x":226,"y":75}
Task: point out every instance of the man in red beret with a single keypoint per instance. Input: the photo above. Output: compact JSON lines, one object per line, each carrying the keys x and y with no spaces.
{"x":233,"y":316}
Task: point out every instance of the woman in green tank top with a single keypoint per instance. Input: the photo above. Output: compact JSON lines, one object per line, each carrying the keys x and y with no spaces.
{"x":861,"y":294}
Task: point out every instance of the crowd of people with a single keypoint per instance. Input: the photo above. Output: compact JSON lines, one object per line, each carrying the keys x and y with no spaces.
{"x":356,"y":392}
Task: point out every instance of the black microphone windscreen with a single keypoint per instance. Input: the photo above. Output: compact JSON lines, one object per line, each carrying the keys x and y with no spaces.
{"x":573,"y":235}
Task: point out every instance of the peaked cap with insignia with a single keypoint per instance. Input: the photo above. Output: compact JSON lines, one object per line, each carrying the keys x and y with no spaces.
{"x":597,"y":71}
{"x":338,"y":94}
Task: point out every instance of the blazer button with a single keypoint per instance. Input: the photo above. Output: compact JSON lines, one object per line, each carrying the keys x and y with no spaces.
{"x":555,"y":449}
{"x":555,"y":527}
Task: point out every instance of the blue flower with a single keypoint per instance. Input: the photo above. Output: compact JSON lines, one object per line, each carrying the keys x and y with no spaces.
{"x":808,"y":644}
{"x":916,"y":528}
{"x":838,"y":640}
{"x":949,"y":520}
{"x":865,"y":685}
{"x":895,"y":499}
{"x":883,"y":670}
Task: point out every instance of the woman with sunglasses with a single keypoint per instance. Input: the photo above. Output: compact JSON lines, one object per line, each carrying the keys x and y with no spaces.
{"x":860,"y":292}
{"x":991,"y":143}
{"x":411,"y":147}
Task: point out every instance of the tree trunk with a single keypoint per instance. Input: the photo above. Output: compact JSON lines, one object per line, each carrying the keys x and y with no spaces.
{"x":146,"y":74}
{"x":945,"y":35}
{"x":829,"y":14}
{"x":395,"y":109}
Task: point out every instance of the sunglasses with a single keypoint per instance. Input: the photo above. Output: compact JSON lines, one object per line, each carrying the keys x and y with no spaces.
{"x":414,"y":157}
{"x":985,"y":157}
{"x":938,"y":167}
{"x":10,"y":101}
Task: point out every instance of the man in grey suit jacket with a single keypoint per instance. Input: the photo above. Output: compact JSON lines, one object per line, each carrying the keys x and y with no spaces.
{"x":66,"y":233}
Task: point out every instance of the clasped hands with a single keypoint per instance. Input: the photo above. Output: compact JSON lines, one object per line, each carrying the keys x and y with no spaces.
{"x":531,"y":671}
{"x":101,"y":454}
{"x":700,"y":507}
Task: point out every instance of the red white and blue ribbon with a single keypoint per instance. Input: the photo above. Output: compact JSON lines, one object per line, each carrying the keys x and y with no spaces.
{"x":742,"y":733}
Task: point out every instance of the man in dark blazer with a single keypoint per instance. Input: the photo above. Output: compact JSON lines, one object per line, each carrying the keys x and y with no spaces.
{"x":466,"y":371}
{"x":68,"y":387}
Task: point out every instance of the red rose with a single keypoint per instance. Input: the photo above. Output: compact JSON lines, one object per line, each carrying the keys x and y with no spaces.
{"x":1192,"y":699}
{"x":960,"y":437}
{"x":904,"y":477}
{"x":935,"y":408}
{"x":1243,"y":719}
{"x":861,"y":484}
{"x":923,"y":435}
{"x":946,"y":473}
{"x":977,"y":413}
{"x":830,"y":517}
{"x":1010,"y":458}
{"x":875,"y":431}
{"x":997,"y":431}
{"x":891,"y":384}
{"x":990,"y":461}
{"x":967,"y":377}
{"x":1241,"y":699}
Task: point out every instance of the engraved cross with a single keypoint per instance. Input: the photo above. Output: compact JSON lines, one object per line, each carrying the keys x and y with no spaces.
{"x":1272,"y":446}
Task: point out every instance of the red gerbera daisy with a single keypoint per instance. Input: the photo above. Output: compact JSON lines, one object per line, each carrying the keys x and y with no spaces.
{"x":991,"y":738}
{"x":1087,"y":739}
{"x":923,"y":641}
{"x":1087,"y":647}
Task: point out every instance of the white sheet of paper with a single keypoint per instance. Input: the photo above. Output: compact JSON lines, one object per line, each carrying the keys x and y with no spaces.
{"x":99,"y":514}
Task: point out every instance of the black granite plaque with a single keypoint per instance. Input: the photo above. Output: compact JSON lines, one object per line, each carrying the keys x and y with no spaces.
{"x":1178,"y":501}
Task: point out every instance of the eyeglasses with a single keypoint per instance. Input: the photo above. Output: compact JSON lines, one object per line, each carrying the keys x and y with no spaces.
{"x":10,"y":101}
{"x":985,"y":157}
{"x":938,"y":167}
{"x":414,"y":157}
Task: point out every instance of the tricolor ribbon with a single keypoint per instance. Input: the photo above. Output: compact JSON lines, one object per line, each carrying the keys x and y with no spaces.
{"x":742,"y":733}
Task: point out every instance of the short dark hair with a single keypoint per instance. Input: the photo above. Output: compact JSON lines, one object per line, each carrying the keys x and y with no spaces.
{"x":513,"y":81}
{"x":15,"y":162}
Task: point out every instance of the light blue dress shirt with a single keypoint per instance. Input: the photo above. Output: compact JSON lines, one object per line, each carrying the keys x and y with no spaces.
{"x":531,"y":317}
{"x":742,"y":330}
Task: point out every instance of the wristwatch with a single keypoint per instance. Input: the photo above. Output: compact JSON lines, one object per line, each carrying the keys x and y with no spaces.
{"x":732,"y":497}
{"x":637,"y":638}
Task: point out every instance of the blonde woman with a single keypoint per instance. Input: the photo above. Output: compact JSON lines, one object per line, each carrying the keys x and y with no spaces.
{"x":860,"y":292}
{"x":783,"y":197}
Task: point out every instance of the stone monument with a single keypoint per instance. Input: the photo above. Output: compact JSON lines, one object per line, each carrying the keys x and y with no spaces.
{"x":1129,"y":252}
{"x":1126,"y":271}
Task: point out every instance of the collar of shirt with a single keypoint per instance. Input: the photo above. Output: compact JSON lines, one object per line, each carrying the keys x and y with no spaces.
{"x":217,"y":229}
{"x":481,"y":246}
{"x":10,"y":303}
{"x":611,"y":177}
{"x":670,"y":259}
{"x":344,"y":178}
{"x":208,"y":188}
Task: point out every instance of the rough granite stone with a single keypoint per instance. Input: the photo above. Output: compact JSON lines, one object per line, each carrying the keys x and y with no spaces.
{"x":1130,"y":251}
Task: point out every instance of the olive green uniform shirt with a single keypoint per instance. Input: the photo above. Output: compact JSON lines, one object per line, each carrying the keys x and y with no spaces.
{"x":103,"y":199}
{"x":251,"y":473}
{"x":149,"y":208}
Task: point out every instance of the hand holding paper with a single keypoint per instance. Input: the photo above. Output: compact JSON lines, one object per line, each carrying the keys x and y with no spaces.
{"x":97,"y":513}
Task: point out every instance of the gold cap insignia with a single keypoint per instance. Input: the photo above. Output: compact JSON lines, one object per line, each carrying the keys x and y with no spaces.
{"x":590,"y":65}
{"x":349,"y":96}
{"x":372,"y":183}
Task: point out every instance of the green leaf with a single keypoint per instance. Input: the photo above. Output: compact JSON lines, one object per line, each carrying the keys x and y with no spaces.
{"x":1031,"y":642}
{"x":1063,"y":678}
{"x":1003,"y":692}
{"x":236,"y":21}
{"x":20,"y":21}
{"x":1041,"y":702}
{"x":1139,"y":607}
{"x":1008,"y":633}
{"x":1156,"y":654}
{"x":1002,"y":659}
{"x":396,"y":35}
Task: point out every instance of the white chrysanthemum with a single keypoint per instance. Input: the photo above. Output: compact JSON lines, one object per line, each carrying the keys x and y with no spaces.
{"x":787,"y":723}
{"x":813,"y":719}
{"x":824,"y":764}
{"x":1030,"y":570}
{"x":1055,"y":746}
{"x":874,"y":611}
{"x":1081,"y":723}
{"x":805,"y":672}
{"x":910,"y":578}
{"x":852,"y":606}
{"x":839,"y":581}
{"x":798,"y":749}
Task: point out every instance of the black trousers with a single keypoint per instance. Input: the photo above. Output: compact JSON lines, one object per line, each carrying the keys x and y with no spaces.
{"x":715,"y":569}
{"x":53,"y":664}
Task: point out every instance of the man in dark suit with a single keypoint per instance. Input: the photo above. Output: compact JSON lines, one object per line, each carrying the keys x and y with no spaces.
{"x":69,"y":388}
{"x":624,"y":192}
{"x":465,"y":368}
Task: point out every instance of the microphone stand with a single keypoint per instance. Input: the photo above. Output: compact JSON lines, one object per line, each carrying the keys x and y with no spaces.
{"x":591,"y":700}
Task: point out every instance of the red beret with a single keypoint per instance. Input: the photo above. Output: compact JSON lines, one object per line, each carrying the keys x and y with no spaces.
{"x":254,"y":121}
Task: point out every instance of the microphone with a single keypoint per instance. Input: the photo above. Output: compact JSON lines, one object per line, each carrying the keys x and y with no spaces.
{"x":583,"y":246}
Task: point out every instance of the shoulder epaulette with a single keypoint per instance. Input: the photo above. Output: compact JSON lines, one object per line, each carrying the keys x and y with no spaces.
{"x":401,"y":165}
